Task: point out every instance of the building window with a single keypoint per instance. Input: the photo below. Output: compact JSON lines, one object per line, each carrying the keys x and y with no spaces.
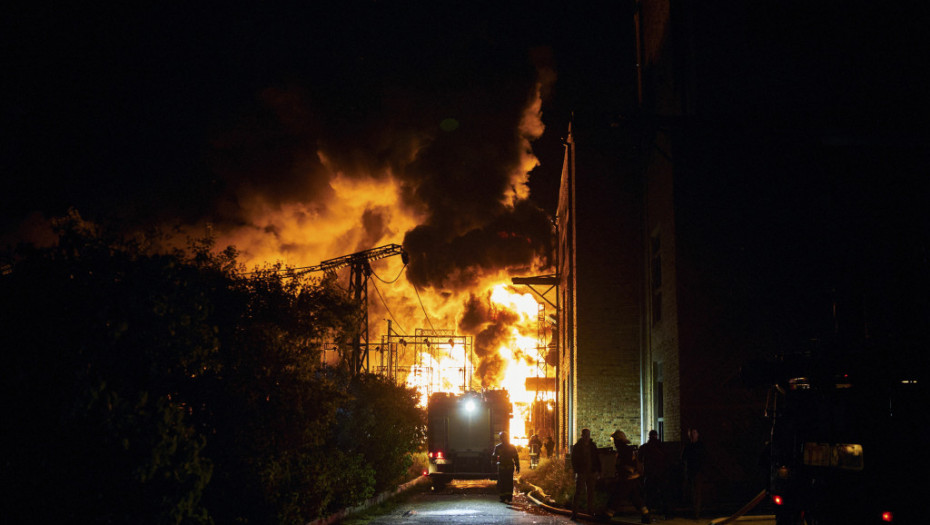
{"x":655,"y":277}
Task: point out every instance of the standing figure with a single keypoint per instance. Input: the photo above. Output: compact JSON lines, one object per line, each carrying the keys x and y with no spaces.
{"x":507,"y":460}
{"x":654,"y":468}
{"x":628,"y":476}
{"x":535,"y":450}
{"x":587,"y":466}
{"x":549,"y":444}
{"x":693,"y":457}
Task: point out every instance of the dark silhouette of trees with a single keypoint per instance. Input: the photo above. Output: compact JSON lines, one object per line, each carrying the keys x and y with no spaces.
{"x":378,"y":426}
{"x":169,"y":386}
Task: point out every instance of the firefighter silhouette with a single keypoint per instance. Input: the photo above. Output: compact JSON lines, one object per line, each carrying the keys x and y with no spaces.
{"x":508,"y":460}
{"x":535,"y":450}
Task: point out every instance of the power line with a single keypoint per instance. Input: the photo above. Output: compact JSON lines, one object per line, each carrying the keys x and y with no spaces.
{"x":389,"y":282}
{"x":386,"y":306}
{"x":421,"y":304}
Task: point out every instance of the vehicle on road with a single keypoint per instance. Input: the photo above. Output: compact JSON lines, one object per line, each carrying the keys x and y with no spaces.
{"x":845,"y":446}
{"x":461,"y":432}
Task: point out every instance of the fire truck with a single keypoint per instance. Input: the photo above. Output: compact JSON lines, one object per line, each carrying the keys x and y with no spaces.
{"x":461,"y":432}
{"x":845,"y":445}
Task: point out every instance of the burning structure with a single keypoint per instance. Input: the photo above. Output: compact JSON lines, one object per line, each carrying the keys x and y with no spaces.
{"x":720,"y":210}
{"x":502,"y":353}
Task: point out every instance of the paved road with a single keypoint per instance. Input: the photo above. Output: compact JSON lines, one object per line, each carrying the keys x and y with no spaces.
{"x":466,"y":502}
{"x":463,"y":502}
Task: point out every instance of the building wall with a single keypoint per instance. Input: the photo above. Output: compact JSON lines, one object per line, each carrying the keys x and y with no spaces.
{"x":664,"y":69}
{"x":566,"y":300}
{"x":705,"y":318}
{"x":601,"y":277}
{"x":616,"y":194}
{"x":745,"y":216}
{"x":661,"y":363}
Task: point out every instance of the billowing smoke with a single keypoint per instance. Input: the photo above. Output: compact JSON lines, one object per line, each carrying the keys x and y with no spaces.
{"x":456,"y":171}
{"x":491,"y":327}
{"x":304,"y":134}
{"x":513,"y":239}
{"x":300,"y":137}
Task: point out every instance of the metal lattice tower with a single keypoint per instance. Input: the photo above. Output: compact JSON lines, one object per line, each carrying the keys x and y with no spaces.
{"x":359,"y":272}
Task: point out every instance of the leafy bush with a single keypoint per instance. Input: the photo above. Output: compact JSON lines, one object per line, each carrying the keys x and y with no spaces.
{"x":552,"y":476}
{"x":148,"y":386}
{"x":384,"y":425}
{"x":100,"y":337}
{"x":418,"y":465}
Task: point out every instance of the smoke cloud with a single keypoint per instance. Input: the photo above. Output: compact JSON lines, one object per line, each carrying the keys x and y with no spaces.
{"x":302,"y":135}
{"x":513,"y":239}
{"x":491,"y":327}
{"x":439,"y":165}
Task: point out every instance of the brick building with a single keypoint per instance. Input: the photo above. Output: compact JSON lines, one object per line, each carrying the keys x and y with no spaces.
{"x":600,"y":281}
{"x":619,"y":363}
{"x":714,"y":220}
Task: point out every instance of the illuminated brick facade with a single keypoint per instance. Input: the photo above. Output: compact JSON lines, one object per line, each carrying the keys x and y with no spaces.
{"x":619,"y":326}
{"x":600,"y":228}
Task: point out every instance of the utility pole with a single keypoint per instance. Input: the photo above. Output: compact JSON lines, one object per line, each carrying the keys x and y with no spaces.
{"x":359,"y":272}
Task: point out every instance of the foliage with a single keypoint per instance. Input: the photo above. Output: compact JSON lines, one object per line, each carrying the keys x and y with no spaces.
{"x":153,"y":385}
{"x":418,"y":465}
{"x":552,"y":476}
{"x":99,"y":338}
{"x":384,"y":424}
{"x":272,"y":406}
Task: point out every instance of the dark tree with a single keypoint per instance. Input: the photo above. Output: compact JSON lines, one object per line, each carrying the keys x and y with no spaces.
{"x":152,"y":385}
{"x":99,"y":340}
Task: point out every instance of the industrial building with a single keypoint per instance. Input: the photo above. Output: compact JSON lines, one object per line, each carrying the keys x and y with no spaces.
{"x":731,"y":210}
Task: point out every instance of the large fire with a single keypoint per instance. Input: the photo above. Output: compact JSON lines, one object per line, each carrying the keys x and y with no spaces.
{"x":484,"y":333}
{"x":505,"y":345}
{"x":521,"y":350}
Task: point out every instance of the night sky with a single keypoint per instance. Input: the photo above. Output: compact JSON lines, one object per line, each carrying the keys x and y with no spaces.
{"x":168,"y":112}
{"x":186,"y":114}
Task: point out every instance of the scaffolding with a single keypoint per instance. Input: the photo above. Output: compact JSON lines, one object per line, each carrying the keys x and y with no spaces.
{"x":421,"y":359}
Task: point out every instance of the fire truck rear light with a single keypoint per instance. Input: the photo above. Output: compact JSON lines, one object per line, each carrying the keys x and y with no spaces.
{"x":431,"y":454}
{"x":439,"y":455}
{"x":887,"y":517}
{"x":425,"y":472}
{"x":777,"y":499}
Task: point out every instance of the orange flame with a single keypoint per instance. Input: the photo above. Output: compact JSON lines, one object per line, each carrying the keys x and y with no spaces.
{"x":362,"y":211}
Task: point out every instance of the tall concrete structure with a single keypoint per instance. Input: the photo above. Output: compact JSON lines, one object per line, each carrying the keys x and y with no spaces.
{"x":643,"y":344}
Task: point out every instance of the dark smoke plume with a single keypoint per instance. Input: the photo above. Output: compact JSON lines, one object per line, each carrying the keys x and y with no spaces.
{"x":198,"y":116}
{"x":490,"y":326}
{"x":512,"y":239}
{"x":453,"y":146}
